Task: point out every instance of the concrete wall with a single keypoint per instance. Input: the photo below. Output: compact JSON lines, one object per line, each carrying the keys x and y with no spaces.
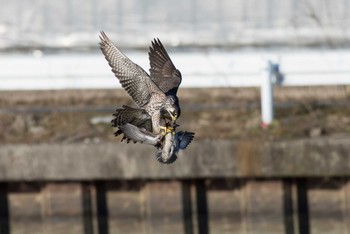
{"x":203,"y":159}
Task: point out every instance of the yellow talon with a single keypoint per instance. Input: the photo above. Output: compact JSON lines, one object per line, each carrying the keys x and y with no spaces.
{"x":170,"y":129}
{"x":164,"y":130}
{"x":167,"y":130}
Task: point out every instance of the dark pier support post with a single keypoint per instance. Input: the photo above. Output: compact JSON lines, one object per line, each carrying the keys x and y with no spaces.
{"x":303,"y":206}
{"x":102,"y":209}
{"x":288,"y":206}
{"x":4,"y":210}
{"x":87,"y":208}
{"x":187,"y":207}
{"x":202,"y":207}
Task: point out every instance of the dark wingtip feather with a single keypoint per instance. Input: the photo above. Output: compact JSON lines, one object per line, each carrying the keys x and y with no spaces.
{"x":156,"y":43}
{"x":117,"y":133}
{"x":159,"y":42}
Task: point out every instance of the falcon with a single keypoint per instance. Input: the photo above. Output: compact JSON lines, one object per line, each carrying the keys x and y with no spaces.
{"x":167,"y":146}
{"x":154,"y":93}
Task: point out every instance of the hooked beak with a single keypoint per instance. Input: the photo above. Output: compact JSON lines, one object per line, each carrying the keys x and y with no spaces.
{"x":173,"y":116}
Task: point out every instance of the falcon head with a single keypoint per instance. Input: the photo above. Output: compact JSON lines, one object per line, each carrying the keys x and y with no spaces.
{"x":171,"y":106}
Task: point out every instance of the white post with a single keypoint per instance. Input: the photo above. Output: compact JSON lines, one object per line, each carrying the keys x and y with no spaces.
{"x":266,"y":92}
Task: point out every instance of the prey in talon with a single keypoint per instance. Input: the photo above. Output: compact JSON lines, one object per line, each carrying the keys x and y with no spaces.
{"x":168,"y":146}
{"x":172,"y":144}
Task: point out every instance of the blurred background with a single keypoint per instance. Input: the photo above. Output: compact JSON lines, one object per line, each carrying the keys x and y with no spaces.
{"x":265,"y":89}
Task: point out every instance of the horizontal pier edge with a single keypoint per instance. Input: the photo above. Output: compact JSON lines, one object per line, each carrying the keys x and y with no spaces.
{"x":203,"y":159}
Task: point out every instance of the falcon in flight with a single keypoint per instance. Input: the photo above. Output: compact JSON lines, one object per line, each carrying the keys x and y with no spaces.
{"x":154,"y":93}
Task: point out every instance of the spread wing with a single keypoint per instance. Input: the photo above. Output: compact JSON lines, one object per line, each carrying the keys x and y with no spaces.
{"x":185,"y":138}
{"x":162,"y":71}
{"x":132,"y":77}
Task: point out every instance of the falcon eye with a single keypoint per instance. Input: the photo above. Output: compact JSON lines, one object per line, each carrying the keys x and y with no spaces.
{"x":174,"y":114}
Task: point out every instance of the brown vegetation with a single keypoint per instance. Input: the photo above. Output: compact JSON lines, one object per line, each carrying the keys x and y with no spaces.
{"x":83,"y":115}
